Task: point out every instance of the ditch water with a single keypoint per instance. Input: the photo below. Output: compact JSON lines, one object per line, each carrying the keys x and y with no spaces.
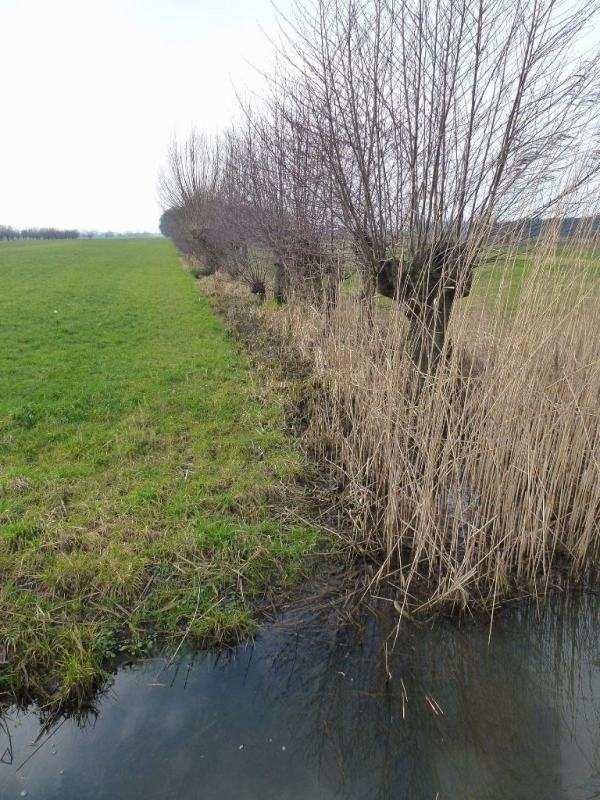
{"x":312,"y":712}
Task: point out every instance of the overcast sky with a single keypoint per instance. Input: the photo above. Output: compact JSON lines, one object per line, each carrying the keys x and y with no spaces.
{"x":92,"y":91}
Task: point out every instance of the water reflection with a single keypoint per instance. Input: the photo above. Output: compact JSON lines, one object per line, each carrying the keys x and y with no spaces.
{"x":322,"y":711}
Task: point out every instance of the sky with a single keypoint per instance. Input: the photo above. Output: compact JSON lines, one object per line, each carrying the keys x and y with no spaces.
{"x":93,"y":90}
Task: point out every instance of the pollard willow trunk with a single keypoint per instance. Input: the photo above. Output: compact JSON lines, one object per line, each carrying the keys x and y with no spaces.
{"x":427,"y":285}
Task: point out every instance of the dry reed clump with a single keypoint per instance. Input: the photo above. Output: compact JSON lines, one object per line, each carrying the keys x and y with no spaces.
{"x":465,"y":487}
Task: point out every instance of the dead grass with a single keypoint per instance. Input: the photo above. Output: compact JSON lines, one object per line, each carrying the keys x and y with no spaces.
{"x":485,"y":482}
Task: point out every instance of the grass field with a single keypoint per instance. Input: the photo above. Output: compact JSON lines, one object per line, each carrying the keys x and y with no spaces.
{"x":139,"y":462}
{"x":500,"y":282}
{"x":501,"y":278}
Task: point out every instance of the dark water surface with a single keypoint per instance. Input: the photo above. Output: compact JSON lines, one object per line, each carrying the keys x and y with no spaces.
{"x":311,"y":713}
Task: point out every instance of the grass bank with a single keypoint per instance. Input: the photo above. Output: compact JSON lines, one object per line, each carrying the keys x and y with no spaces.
{"x":141,"y":465}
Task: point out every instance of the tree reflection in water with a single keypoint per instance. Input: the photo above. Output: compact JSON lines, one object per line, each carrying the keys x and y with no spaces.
{"x":447,"y":712}
{"x":450,"y":711}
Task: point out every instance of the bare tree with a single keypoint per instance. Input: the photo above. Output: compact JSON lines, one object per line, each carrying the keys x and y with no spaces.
{"x":206,"y":215}
{"x":437,"y":117}
{"x":7,"y":233}
{"x":289,"y":197}
{"x":190,"y":187}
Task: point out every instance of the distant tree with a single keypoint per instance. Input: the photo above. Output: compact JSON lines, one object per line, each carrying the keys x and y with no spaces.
{"x":173,"y":225}
{"x":8,"y":234}
{"x":189,"y":189}
{"x":48,"y":233}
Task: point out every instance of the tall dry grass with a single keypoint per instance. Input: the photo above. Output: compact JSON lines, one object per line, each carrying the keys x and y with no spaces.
{"x":464,"y":487}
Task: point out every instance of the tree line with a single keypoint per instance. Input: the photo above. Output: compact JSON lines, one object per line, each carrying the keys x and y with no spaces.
{"x":7,"y":233}
{"x":392,"y":139}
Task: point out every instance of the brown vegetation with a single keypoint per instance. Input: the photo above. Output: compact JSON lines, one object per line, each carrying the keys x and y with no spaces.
{"x":481,"y":480}
{"x":395,"y":146}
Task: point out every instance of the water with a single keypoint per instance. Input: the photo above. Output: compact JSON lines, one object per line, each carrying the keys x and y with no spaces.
{"x":310,"y":712}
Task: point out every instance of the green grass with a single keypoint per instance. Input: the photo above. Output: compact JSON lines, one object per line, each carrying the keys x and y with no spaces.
{"x":568,"y":274}
{"x":501,"y":279}
{"x":140,"y":461}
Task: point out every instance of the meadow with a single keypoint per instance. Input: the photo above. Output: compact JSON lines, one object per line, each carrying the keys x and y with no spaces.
{"x":141,"y":467}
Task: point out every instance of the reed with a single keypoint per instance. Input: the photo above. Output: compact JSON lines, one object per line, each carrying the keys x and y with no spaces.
{"x":483,"y":479}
